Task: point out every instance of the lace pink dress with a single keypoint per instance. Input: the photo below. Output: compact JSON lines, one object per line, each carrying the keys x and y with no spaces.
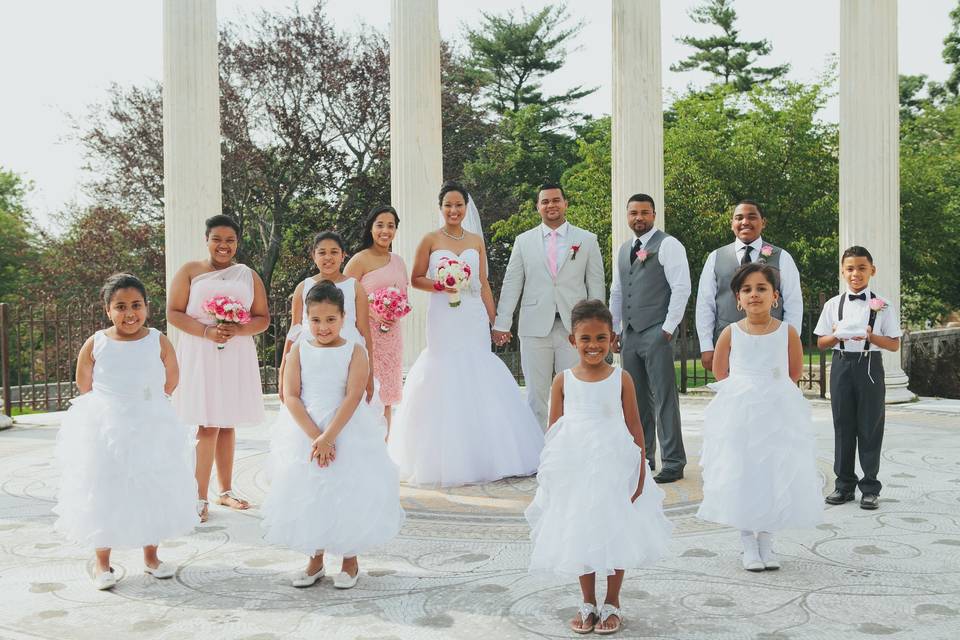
{"x":387,"y":347}
{"x":219,"y":387}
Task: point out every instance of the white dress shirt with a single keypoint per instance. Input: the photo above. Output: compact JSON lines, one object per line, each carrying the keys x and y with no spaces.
{"x":563,"y":247}
{"x":706,"y":314}
{"x":887,"y":322}
{"x":673,"y":257}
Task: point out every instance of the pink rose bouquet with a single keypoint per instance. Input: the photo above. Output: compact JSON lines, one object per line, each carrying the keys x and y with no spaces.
{"x":452,"y":274}
{"x":226,"y":310}
{"x":390,"y":303}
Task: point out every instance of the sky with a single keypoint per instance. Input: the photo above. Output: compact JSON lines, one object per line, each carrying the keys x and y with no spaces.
{"x":61,"y":56}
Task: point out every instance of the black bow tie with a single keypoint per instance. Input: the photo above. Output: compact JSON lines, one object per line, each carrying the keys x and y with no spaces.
{"x":853,"y":296}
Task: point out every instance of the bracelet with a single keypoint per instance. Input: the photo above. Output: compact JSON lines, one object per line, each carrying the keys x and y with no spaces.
{"x":204,"y":334}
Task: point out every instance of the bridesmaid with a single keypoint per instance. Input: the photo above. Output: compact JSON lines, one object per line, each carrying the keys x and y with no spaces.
{"x":376,"y":267}
{"x":219,"y":389}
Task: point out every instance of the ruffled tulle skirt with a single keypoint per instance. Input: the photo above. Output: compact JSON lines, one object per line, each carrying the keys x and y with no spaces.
{"x":463,"y":421}
{"x":127,"y":472}
{"x":581,"y":519}
{"x":346,"y":508}
{"x":759,"y":457}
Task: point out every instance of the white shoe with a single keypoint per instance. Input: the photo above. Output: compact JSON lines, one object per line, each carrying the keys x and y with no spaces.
{"x":751,"y":555}
{"x":162,"y":571}
{"x":765,"y":547}
{"x":105,"y":580}
{"x":344,"y":580}
{"x":304,"y":579}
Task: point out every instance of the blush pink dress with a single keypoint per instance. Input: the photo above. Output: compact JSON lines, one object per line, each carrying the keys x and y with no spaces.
{"x":219,"y":387}
{"x":387,"y":347}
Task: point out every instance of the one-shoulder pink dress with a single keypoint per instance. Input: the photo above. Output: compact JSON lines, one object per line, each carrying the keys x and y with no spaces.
{"x":387,"y":347}
{"x":219,"y":387}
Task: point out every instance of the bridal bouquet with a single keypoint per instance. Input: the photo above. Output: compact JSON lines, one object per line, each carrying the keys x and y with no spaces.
{"x":226,"y":310}
{"x":452,"y":274}
{"x":390,"y":303}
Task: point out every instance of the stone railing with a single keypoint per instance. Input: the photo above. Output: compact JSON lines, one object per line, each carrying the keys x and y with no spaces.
{"x":931,"y":359}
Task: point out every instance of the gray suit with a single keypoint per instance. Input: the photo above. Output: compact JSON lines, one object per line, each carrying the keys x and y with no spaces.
{"x":646,"y":353}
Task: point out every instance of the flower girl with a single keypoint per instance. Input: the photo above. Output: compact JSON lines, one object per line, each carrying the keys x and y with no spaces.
{"x":126,"y":460}
{"x":594,"y":510}
{"x":334,"y":488}
{"x":759,"y":457}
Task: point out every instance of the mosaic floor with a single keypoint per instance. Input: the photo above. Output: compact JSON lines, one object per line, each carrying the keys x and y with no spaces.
{"x":458,"y":569}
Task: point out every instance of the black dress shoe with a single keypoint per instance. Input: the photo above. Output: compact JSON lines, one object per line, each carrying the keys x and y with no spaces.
{"x":668,"y":476}
{"x":839,"y":497}
{"x":869,"y":501}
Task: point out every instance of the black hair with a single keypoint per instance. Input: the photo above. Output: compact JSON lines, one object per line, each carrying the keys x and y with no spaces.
{"x":752,"y":203}
{"x":324,"y":291}
{"x":327,"y":235}
{"x":221,"y":220}
{"x":121,"y":281}
{"x":771,"y":274}
{"x":642,"y":197}
{"x":590,"y":310}
{"x":452,"y":185}
{"x":546,"y":186}
{"x":366,"y":239}
{"x":856,"y":251}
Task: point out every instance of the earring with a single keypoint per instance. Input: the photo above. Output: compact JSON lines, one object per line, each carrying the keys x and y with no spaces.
{"x":739,"y":307}
{"x":776,"y":303}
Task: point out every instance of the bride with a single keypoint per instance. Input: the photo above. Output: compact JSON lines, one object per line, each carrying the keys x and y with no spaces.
{"x":462,"y":419}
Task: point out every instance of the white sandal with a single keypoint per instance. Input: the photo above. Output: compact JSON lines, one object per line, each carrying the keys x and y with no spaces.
{"x":585,"y":611}
{"x":232,"y":495}
{"x":202,"y":510}
{"x":163,"y":571}
{"x":606,"y":611}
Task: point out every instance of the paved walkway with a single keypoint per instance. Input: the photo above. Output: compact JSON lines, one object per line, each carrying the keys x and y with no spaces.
{"x":458,"y":570}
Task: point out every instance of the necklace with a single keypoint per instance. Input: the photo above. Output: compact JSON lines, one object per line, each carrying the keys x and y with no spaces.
{"x":462,"y":235}
{"x":746,"y":323}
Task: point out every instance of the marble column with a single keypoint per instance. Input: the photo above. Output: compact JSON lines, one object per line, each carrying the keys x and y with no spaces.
{"x":416,"y":162}
{"x":869,"y":152}
{"x":637,"y":114}
{"x":191,"y":128}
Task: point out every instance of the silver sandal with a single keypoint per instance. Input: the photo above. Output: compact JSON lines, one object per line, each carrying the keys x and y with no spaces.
{"x":606,"y":611}
{"x":585,"y":611}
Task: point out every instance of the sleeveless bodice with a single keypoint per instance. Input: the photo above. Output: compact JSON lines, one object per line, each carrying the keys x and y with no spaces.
{"x":323,"y":375}
{"x":586,"y":400}
{"x":128,"y":368}
{"x":349,"y":331}
{"x":763,"y":357}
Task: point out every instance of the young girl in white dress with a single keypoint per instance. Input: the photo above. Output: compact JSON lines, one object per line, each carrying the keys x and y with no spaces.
{"x":759,"y":456}
{"x":594,"y":511}
{"x":126,"y":461}
{"x":328,"y":254}
{"x":334,"y":487}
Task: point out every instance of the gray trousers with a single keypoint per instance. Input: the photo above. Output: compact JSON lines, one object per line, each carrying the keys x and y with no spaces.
{"x":541,"y":359}
{"x":648,"y":358}
{"x":858,"y":416}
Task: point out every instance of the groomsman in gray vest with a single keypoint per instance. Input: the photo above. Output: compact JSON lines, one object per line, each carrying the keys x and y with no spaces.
{"x":651,"y":286}
{"x":716,"y":304}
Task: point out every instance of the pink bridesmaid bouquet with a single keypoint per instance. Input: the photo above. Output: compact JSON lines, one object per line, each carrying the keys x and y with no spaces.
{"x":452,"y":274}
{"x":391,"y":304}
{"x":226,"y":310}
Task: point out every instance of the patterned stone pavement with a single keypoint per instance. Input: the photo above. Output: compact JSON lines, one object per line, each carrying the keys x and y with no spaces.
{"x":458,"y":570}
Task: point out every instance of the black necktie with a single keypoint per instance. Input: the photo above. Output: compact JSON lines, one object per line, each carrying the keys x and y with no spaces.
{"x":851,"y":296}
{"x":637,"y":245}
{"x":746,"y":255}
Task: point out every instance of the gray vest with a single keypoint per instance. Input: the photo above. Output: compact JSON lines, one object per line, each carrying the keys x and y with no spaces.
{"x":724,"y":268}
{"x":646,"y":292}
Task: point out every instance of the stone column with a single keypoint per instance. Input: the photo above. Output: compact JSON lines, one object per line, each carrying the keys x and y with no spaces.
{"x":416,"y":162}
{"x":191,"y":128}
{"x":869,"y":152}
{"x":637,"y":114}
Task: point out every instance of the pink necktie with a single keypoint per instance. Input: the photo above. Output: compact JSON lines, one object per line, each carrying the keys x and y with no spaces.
{"x":552,"y":253}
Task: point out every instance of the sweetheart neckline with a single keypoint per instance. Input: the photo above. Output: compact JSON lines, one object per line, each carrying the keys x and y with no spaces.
{"x":459,"y":255}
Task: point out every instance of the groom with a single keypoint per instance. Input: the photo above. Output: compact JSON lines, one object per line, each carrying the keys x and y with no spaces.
{"x":552,"y":267}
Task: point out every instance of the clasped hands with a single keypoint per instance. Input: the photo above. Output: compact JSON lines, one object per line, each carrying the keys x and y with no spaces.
{"x":323,"y":452}
{"x":500,"y":338}
{"x":221,"y":332}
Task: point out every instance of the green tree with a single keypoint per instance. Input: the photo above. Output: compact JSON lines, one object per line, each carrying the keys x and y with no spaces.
{"x":19,"y":254}
{"x":725,"y":55}
{"x":951,"y":51}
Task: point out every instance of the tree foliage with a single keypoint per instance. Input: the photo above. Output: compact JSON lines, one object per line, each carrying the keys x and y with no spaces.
{"x":732,"y":60}
{"x":19,"y":252}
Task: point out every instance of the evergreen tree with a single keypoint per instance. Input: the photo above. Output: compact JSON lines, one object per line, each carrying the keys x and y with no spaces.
{"x":726,"y":56}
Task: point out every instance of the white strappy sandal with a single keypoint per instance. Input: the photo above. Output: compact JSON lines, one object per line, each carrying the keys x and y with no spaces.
{"x":606,"y":611}
{"x":232,"y":495}
{"x":202,"y":510}
{"x":585,"y":611}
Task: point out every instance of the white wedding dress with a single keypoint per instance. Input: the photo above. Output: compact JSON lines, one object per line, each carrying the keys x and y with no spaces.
{"x":462,"y":419}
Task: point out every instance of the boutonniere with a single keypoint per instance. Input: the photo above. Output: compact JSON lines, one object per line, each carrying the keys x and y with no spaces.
{"x":766,"y":251}
{"x":573,"y":251}
{"x":878,"y":304}
{"x":643,"y":254}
